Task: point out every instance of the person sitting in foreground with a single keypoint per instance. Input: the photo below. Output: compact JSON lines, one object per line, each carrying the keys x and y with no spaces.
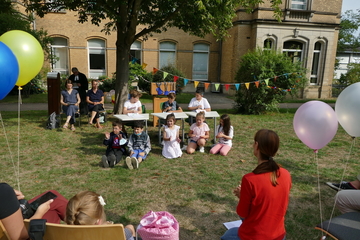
{"x":87,"y":208}
{"x":11,"y":216}
{"x":353,"y":185}
{"x":263,"y":194}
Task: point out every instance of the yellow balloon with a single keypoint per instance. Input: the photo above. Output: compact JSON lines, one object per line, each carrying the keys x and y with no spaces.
{"x":28,"y":53}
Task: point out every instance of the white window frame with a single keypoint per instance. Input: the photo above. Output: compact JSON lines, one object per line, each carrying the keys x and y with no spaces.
{"x":167,"y":52}
{"x":316,"y":60}
{"x":200,"y":68}
{"x":136,"y":51}
{"x":60,"y":64}
{"x":101,"y":49}
{"x":295,"y":58}
{"x":299,"y":4}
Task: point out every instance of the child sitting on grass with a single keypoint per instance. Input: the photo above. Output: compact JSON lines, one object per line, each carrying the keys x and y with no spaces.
{"x":199,"y":133}
{"x":116,"y":143}
{"x":139,"y":146}
{"x":171,"y":148}
{"x":224,"y":133}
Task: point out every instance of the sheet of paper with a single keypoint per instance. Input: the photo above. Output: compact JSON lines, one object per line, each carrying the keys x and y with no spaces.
{"x":233,"y":224}
{"x":133,"y":115}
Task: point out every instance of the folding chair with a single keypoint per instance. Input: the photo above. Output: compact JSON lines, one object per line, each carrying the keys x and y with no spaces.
{"x":3,"y":233}
{"x":82,"y":232}
{"x":343,"y":227}
{"x":77,"y":115}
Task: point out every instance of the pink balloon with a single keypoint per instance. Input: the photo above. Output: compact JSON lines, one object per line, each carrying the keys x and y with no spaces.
{"x":315,"y":124}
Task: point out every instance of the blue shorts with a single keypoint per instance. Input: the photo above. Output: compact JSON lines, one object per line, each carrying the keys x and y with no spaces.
{"x":136,"y":154}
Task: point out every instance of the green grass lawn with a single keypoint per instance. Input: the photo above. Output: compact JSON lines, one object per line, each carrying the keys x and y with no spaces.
{"x":196,"y":189}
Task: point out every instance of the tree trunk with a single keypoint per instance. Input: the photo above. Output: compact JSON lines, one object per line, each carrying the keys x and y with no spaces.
{"x":122,"y":72}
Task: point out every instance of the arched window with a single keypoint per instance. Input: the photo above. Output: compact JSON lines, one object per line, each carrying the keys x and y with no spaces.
{"x":135,"y":52}
{"x":294,"y":50}
{"x":59,"y":52}
{"x":167,"y":54}
{"x":200,"y":70}
{"x":97,"y":66}
{"x":316,"y":63}
{"x":268,"y":44}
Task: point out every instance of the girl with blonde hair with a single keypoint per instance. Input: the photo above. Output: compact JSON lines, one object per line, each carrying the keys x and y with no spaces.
{"x":87,"y":208}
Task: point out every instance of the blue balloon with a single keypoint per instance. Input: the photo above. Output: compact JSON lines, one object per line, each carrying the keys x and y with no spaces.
{"x":9,"y":70}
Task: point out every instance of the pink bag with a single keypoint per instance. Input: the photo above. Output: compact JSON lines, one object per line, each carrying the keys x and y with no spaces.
{"x":158,"y":226}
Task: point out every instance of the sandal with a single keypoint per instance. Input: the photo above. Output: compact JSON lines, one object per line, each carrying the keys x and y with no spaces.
{"x":65,"y":126}
{"x":72,"y":128}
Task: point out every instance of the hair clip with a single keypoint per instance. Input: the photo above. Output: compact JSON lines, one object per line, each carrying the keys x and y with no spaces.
{"x":101,"y":200}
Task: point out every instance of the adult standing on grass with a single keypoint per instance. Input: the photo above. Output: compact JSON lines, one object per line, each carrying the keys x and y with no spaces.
{"x":263,"y":194}
{"x":95,"y":100}
{"x":70,"y":101}
{"x":81,"y":84}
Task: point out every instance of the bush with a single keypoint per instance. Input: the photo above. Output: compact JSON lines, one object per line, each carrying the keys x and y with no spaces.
{"x":265,"y":64}
{"x":106,"y":83}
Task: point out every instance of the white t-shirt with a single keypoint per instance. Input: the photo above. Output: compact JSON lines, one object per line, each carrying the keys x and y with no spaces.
{"x":203,"y":102}
{"x":228,"y":142}
{"x":132,"y":106}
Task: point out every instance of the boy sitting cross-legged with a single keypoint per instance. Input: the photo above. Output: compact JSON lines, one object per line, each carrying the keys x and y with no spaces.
{"x":139,"y":146}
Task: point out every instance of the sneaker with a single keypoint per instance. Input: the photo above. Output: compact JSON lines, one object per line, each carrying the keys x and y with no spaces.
{"x":342,"y":186}
{"x":128,"y":163}
{"x":112,"y":161}
{"x":201,"y":149}
{"x":184,"y":148}
{"x":105,"y":161}
{"x":135,"y":162}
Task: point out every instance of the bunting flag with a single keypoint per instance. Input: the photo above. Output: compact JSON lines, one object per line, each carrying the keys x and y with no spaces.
{"x":227,"y":86}
{"x":164,"y":75}
{"x":275,"y":78}
{"x":176,"y":78}
{"x":267,"y":82}
{"x":143,"y":66}
{"x":206,"y":85}
{"x":155,"y":70}
{"x":237,"y":85}
{"x":196,"y":83}
{"x":247,"y":85}
{"x":255,"y":78}
{"x":286,"y":75}
{"x":217,"y":85}
{"x":185,"y":81}
{"x":257,"y":84}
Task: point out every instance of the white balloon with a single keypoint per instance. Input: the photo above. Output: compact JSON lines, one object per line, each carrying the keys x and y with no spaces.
{"x":347,"y":109}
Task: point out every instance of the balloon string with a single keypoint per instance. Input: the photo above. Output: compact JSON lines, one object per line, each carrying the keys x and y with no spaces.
{"x":11,"y":155}
{"x":18,"y":162}
{"x":318,"y":182}
{"x":342,"y":177}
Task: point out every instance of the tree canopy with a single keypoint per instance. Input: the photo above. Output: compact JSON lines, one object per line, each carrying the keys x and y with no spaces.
{"x":197,"y":17}
{"x":349,"y":24}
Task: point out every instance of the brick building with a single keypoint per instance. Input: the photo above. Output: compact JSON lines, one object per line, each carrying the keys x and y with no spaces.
{"x":308,"y":32}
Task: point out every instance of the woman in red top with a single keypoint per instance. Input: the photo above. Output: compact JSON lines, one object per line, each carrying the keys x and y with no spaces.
{"x":263,"y":194}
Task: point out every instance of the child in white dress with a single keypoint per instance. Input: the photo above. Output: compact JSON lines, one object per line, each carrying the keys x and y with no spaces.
{"x":171,"y":140}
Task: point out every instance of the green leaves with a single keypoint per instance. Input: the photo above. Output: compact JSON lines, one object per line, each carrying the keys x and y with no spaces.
{"x":279,"y":71}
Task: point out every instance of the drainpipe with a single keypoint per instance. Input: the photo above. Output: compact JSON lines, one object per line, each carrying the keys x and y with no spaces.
{"x":219,"y":63}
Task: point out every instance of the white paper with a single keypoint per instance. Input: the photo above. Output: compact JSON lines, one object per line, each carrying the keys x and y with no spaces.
{"x":133,"y":115}
{"x":233,"y":224}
